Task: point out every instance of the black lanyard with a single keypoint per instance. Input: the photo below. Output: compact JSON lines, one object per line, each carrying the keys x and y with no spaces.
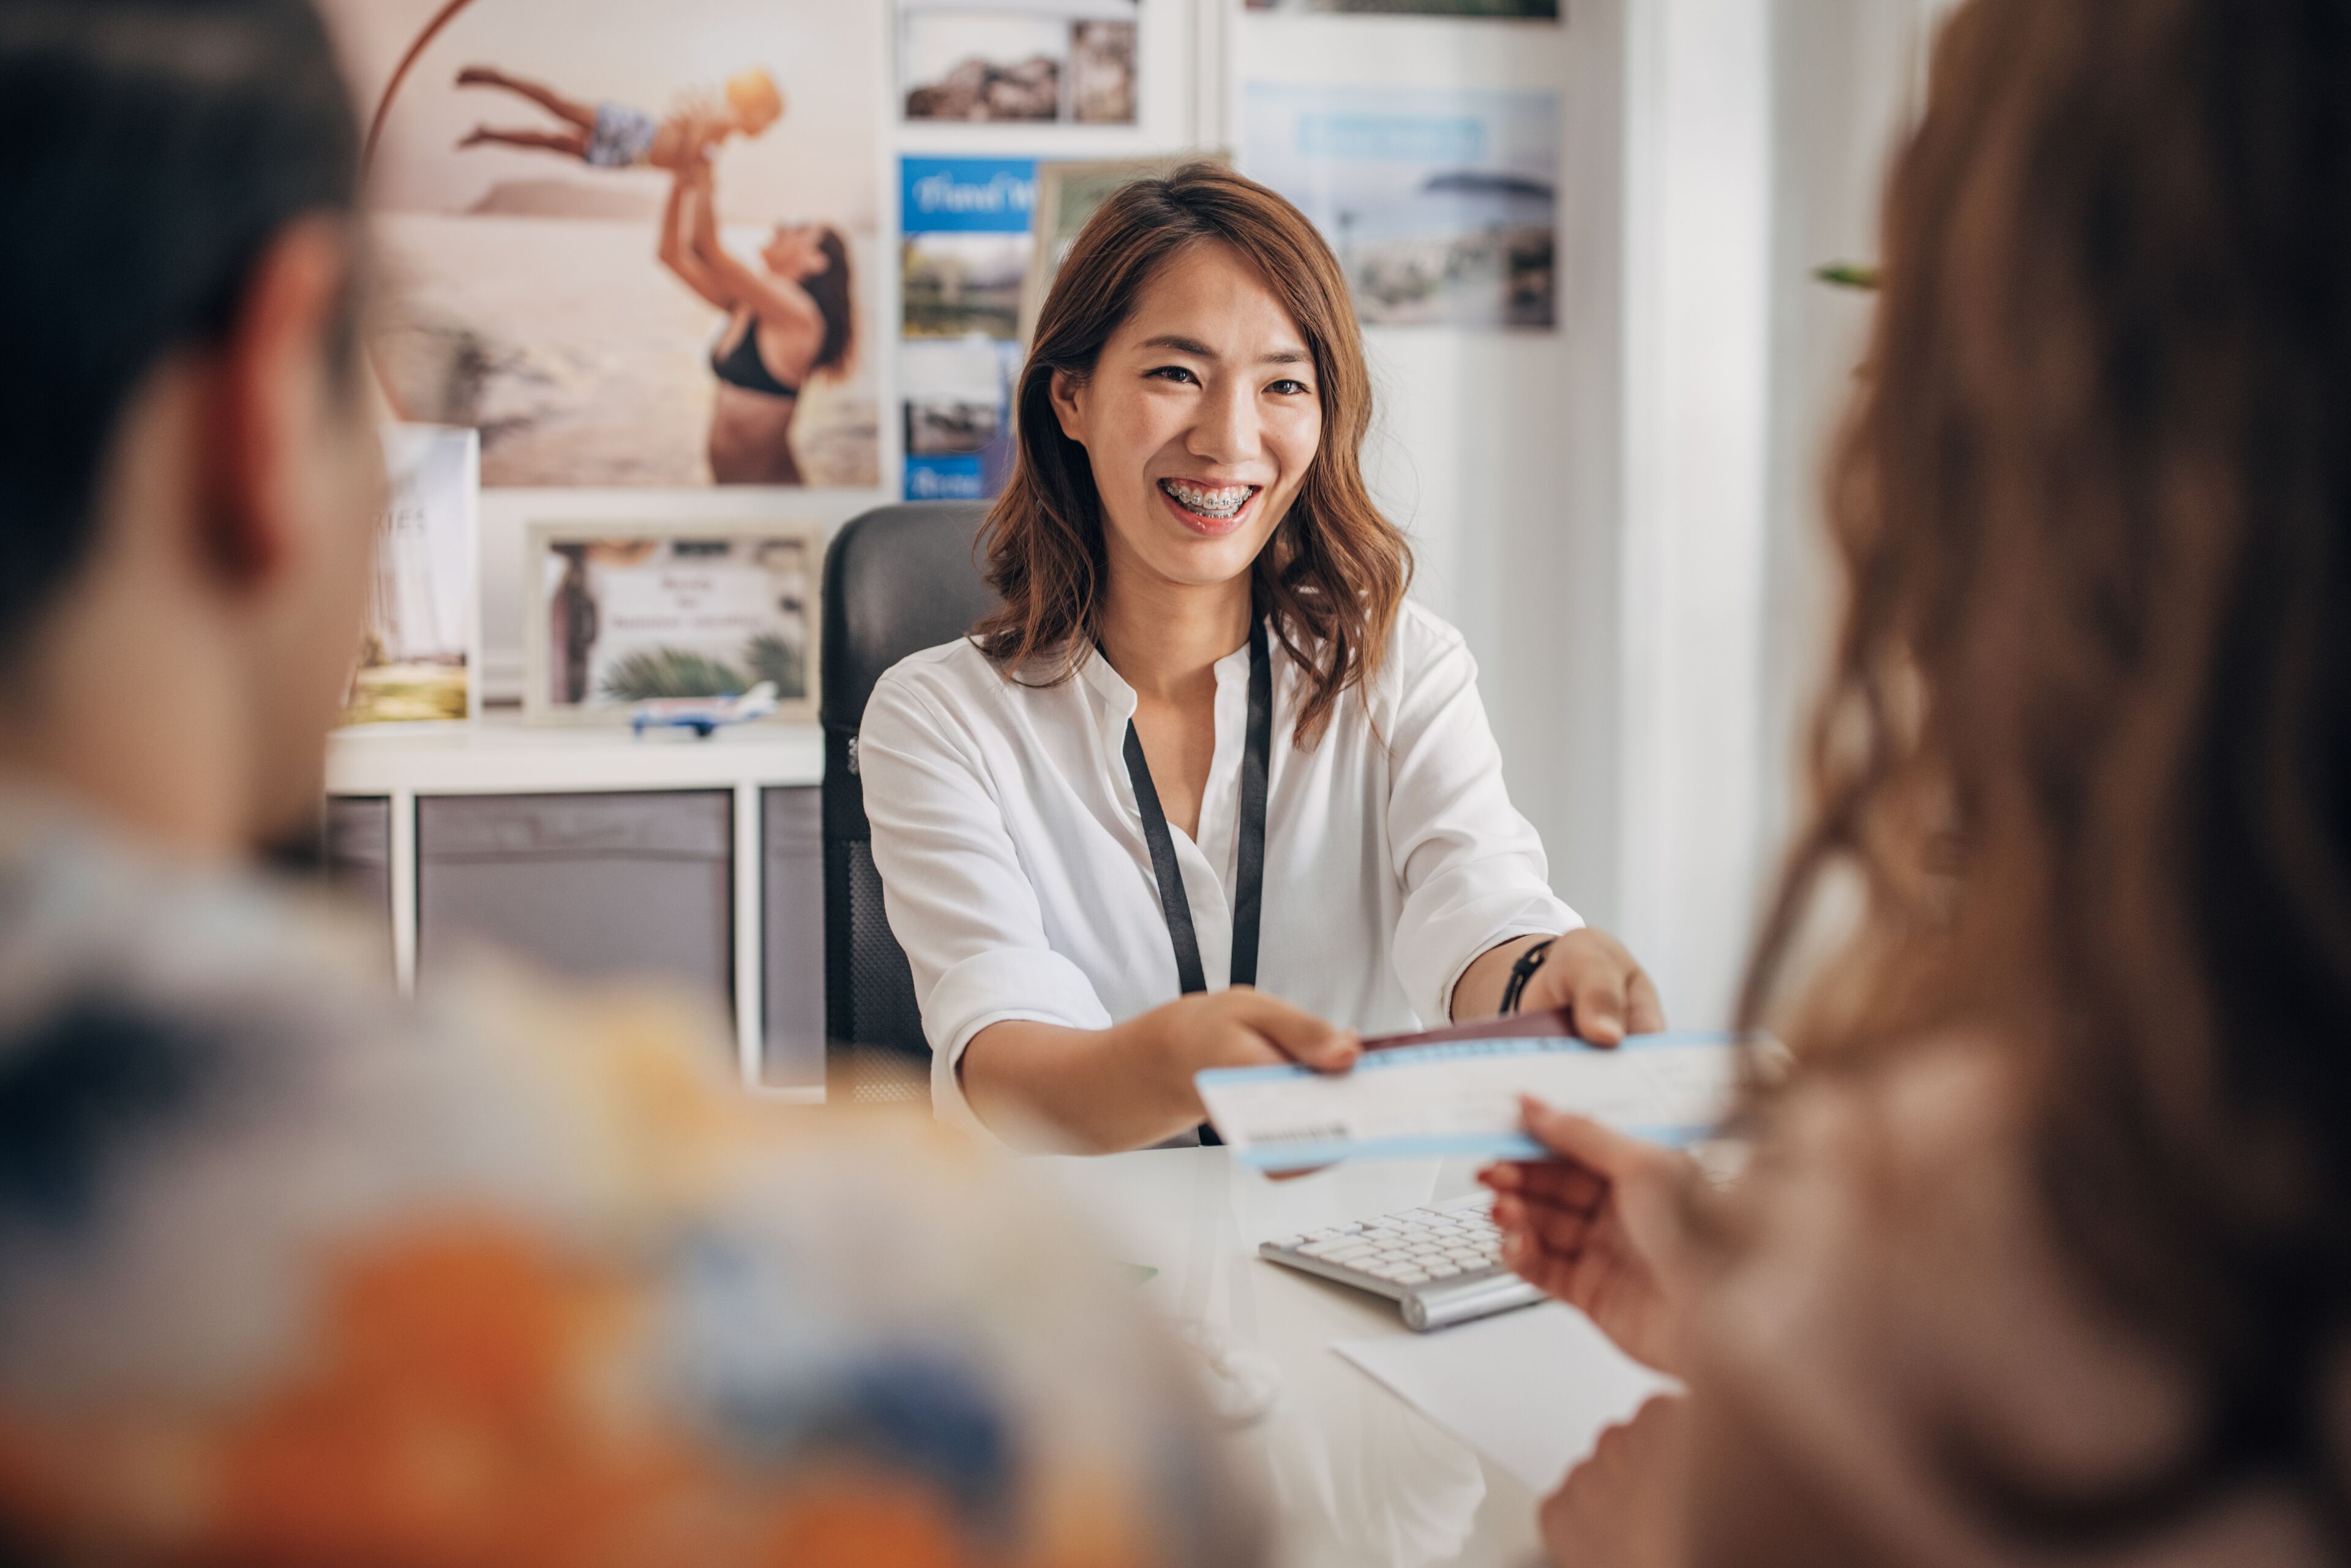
{"x":1248,"y":894}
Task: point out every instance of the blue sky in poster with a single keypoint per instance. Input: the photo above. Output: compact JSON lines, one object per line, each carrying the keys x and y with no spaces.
{"x":967,"y":195}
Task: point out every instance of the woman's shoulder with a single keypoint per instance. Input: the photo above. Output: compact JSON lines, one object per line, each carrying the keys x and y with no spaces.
{"x":1422,"y":648}
{"x":1422,"y":637}
{"x":951,"y":672}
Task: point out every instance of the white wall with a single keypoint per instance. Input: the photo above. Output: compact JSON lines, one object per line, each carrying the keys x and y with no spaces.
{"x":1498,"y":451}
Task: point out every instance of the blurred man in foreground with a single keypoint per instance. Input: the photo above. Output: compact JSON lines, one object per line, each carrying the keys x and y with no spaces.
{"x":293,"y":1271}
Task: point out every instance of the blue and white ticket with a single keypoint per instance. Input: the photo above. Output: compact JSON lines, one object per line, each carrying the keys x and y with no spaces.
{"x":1460,"y":1098}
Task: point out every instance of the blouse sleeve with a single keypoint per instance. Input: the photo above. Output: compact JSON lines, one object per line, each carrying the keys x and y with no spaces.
{"x":954,"y":889}
{"x":1473,"y":868}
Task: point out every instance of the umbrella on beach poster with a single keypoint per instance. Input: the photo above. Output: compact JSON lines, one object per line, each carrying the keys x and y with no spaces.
{"x":634,"y":245}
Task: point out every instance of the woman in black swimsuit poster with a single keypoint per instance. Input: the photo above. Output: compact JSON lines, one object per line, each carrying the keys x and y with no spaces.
{"x":789,"y":318}
{"x":620,"y":236}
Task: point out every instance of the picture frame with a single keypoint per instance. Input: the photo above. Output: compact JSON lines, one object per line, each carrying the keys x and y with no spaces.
{"x":1068,"y":193}
{"x":420,"y":658}
{"x":621,"y":612}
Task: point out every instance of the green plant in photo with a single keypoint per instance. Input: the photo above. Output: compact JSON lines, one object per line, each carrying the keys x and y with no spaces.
{"x":1847,"y":275}
{"x":770,"y":658}
{"x":653,"y":673}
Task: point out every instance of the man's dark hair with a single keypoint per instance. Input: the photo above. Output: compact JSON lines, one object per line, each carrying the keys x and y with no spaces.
{"x":149,"y":151}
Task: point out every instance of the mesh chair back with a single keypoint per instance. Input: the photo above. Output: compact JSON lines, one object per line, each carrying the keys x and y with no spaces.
{"x":897,"y":580}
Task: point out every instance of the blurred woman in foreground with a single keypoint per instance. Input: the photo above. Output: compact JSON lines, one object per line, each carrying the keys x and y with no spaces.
{"x":2044,"y":1254}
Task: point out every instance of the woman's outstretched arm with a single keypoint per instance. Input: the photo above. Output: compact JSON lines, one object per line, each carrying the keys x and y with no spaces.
{"x":688,"y":190}
{"x":778,"y":301}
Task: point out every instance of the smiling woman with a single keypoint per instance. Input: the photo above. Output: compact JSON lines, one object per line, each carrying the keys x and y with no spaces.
{"x":1080,"y":814}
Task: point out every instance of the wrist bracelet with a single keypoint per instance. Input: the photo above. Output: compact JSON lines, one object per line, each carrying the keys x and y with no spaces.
{"x":1522,"y":971}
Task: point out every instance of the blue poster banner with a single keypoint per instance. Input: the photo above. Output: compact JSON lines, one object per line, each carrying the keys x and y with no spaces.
{"x":967,"y":195}
{"x":965,"y":254}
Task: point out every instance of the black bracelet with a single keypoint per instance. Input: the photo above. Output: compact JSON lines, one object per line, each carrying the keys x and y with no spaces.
{"x":1524,"y":970}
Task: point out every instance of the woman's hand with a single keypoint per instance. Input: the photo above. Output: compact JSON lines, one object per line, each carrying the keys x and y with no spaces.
{"x":1129,"y":1086}
{"x":1622,"y":1508}
{"x":1598,"y":1228}
{"x":1240,"y":1026}
{"x":1595,"y":979}
{"x":1586,"y":972}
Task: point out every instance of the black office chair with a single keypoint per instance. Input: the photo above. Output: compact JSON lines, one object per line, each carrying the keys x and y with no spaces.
{"x":897,"y":580}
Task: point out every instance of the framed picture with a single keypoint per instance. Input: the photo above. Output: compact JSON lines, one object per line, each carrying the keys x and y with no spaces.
{"x":621,"y":614}
{"x":1069,"y":62}
{"x":1066,"y":195}
{"x":1520,"y":10}
{"x":589,"y":205}
{"x":419,"y":660}
{"x":1441,"y":205}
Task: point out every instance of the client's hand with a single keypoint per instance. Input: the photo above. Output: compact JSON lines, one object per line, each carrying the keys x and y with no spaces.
{"x":1623,"y":1506}
{"x":1599,"y":984}
{"x":1598,"y":1227}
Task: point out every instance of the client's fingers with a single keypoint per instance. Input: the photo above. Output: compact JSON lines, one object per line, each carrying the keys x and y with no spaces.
{"x":1599,"y":1149}
{"x":1561,"y":1231}
{"x":1563,"y":1182}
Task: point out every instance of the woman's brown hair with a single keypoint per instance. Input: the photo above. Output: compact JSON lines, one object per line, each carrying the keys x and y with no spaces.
{"x":1333,"y":574}
{"x":2085,"y":749}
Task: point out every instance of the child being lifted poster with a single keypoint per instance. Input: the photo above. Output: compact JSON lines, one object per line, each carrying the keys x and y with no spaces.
{"x":633,"y":244}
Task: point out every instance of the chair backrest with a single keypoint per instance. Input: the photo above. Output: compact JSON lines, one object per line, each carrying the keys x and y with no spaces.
{"x":897,"y":580}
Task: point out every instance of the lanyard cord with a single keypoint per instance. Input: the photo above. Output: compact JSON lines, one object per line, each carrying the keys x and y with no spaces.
{"x":1248,"y":894}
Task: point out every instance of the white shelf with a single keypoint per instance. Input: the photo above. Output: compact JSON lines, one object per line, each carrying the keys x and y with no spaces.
{"x":500,"y":755}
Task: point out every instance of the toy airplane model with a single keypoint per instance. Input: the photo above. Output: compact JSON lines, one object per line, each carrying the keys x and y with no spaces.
{"x":704,"y":715}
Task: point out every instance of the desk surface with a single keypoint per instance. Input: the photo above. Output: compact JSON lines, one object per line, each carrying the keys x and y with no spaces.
{"x":1357,"y":1476}
{"x":499,"y":754}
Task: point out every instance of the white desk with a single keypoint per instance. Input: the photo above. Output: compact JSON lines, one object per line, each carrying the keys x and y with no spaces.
{"x":1357,"y":1476}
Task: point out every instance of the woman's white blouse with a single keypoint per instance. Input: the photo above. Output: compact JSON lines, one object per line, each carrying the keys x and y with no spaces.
{"x":1017,"y":877}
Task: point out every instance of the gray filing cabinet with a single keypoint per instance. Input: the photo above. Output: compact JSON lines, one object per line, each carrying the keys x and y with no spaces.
{"x":683,"y":886}
{"x":638,"y":885}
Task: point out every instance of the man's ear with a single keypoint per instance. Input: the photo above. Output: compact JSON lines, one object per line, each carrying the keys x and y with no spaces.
{"x":273,"y":393}
{"x":1063,"y":389}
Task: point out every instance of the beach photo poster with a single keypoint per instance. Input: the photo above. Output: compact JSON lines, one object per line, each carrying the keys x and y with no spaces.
{"x":1442,"y":206}
{"x":621,"y":614}
{"x":633,"y":244}
{"x":964,"y":258}
{"x":1510,"y":10}
{"x":1070,"y":62}
{"x":420,"y":657}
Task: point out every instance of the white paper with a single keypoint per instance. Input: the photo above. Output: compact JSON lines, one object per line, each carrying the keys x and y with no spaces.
{"x":1532,"y":1390}
{"x":1460,"y":1099}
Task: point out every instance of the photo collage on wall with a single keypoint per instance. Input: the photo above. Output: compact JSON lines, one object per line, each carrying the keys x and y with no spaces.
{"x":641,"y":250}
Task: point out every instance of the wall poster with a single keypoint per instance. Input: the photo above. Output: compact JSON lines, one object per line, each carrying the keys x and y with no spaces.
{"x":1043,"y":61}
{"x":966,"y":252}
{"x":632,"y":243}
{"x":1442,"y":205}
{"x":1522,"y":10}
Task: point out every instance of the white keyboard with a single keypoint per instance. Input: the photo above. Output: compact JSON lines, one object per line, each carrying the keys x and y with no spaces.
{"x":1441,"y":1264}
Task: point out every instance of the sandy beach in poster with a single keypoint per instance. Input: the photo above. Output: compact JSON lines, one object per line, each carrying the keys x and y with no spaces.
{"x":1442,"y":205}
{"x":524,"y":294}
